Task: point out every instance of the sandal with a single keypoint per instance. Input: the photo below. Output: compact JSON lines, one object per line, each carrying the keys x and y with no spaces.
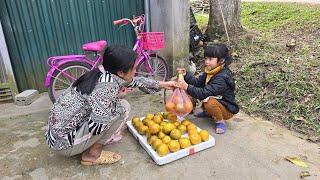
{"x":106,"y":157}
{"x":221,"y":126}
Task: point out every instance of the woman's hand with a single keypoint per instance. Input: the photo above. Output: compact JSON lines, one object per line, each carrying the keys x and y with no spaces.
{"x":181,"y":84}
{"x":170,"y":85}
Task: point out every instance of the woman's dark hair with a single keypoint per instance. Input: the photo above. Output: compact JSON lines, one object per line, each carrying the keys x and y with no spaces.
{"x":115,"y":58}
{"x":118,"y":58}
{"x":219,"y":51}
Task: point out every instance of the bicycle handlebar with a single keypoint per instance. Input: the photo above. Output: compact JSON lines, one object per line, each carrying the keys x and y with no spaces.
{"x":120,"y":21}
{"x":134,"y":22}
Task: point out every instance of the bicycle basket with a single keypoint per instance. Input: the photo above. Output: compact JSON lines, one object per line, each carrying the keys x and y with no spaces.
{"x":152,"y":40}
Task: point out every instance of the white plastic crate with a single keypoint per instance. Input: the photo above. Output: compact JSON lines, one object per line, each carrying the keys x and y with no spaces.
{"x":171,"y":156}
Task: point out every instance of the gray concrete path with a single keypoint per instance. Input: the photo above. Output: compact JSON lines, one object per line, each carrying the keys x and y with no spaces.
{"x":251,"y":149}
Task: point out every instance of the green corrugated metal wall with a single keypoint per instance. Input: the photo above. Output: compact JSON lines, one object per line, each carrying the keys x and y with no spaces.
{"x":37,"y":29}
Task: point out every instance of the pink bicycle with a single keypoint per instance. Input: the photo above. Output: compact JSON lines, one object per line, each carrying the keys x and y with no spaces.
{"x":66,"y":69}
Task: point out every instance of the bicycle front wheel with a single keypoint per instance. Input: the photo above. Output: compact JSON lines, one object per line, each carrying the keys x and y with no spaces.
{"x":155,"y":68}
{"x":61,"y":80}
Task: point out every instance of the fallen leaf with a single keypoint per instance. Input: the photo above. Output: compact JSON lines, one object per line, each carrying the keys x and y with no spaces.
{"x":297,"y":161}
{"x":304,"y":174}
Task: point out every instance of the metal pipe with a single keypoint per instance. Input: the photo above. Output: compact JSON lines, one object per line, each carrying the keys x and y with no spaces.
{"x":147,"y":15}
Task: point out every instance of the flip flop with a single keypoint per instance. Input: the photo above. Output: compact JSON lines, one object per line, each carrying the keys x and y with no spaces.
{"x":221,"y":126}
{"x":106,"y":157}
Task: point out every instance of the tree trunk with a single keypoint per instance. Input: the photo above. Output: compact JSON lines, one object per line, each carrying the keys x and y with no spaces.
{"x":231,"y":14}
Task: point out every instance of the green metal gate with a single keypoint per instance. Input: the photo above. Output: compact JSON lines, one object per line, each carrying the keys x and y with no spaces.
{"x":37,"y":29}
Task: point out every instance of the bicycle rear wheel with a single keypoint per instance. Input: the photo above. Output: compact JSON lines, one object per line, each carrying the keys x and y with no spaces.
{"x":160,"y":69}
{"x":61,"y":80}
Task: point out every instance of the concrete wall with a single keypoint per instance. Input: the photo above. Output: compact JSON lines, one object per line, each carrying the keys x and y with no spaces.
{"x":172,"y":17}
{"x":6,"y":68}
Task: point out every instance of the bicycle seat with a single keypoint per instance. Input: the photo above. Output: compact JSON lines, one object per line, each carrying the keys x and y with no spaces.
{"x":94,"y":46}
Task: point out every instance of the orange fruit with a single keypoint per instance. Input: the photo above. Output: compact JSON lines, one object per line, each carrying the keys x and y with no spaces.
{"x":170,"y":106}
{"x":165,"y":114}
{"x":162,"y":150}
{"x":204,"y":134}
{"x":151,"y":139}
{"x":191,"y":126}
{"x":163,"y":123}
{"x":149,"y":116}
{"x":192,"y":131}
{"x":174,"y":146}
{"x":137,"y":124}
{"x":148,"y":134}
{"x":185,"y":122}
{"x":195,"y":138}
{"x":172,"y":117}
{"x":188,"y":106}
{"x":156,"y":143}
{"x":175,"y":134}
{"x":161,"y":135}
{"x":167,"y":128}
{"x":166,"y":139}
{"x":142,"y":129}
{"x":150,"y":122}
{"x":154,"y":128}
{"x":157,"y":119}
{"x":180,"y":108}
{"x":176,"y":123}
{"x":145,"y":121}
{"x":135,"y":120}
{"x":184,"y":142}
{"x":182,"y":128}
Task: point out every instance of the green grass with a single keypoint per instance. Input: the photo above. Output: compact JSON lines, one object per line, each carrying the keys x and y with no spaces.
{"x":202,"y":20}
{"x":270,"y":16}
{"x":285,"y":88}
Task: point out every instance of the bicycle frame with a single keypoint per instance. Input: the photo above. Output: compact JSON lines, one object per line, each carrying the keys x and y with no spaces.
{"x":142,"y":55}
{"x":56,"y":61}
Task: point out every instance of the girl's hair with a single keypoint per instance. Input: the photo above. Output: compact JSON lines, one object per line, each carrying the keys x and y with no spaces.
{"x":115,"y":58}
{"x":219,"y":51}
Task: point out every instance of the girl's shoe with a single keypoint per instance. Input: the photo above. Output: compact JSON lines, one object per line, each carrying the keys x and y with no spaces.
{"x":221,"y":126}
